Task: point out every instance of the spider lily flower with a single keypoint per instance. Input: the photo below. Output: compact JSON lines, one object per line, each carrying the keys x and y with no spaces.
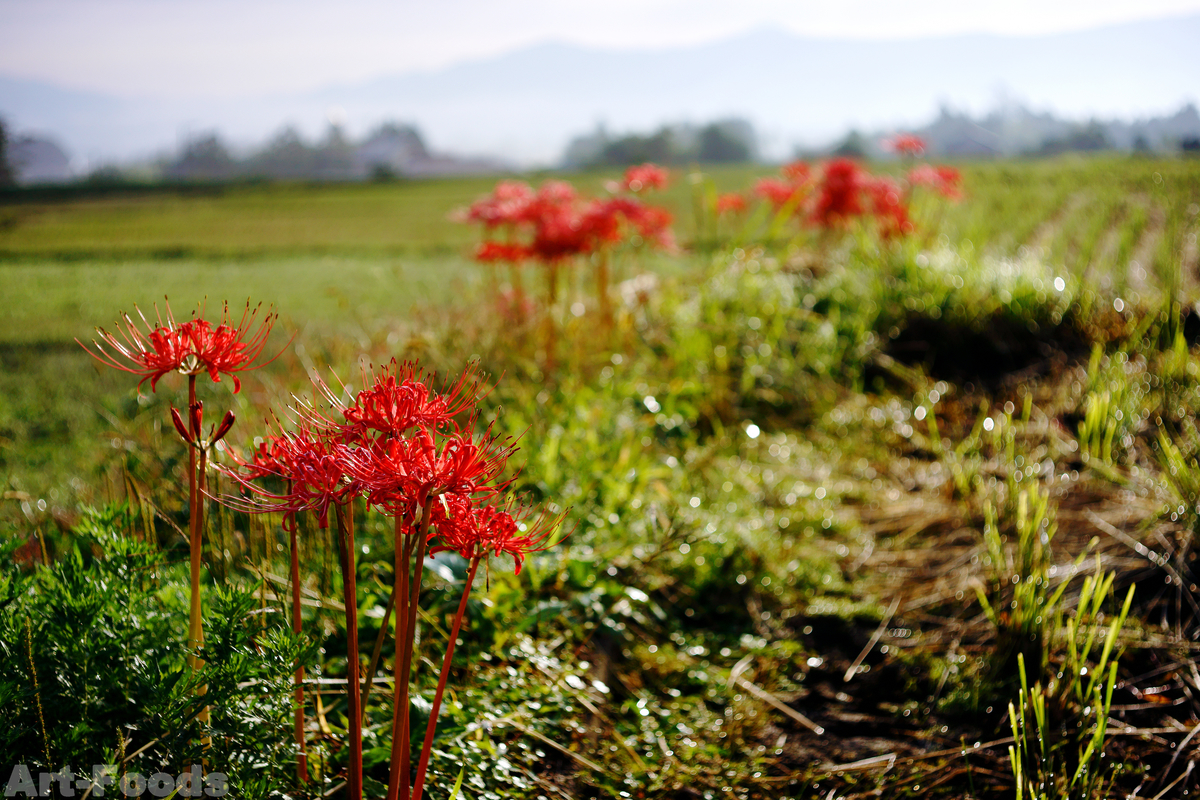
{"x":839,"y":199}
{"x":189,"y":348}
{"x":730,"y":203}
{"x":906,"y":144}
{"x":946,"y":181}
{"x":775,"y":191}
{"x":887,"y":204}
{"x":478,"y":531}
{"x":400,"y":398}
{"x":507,"y":205}
{"x":316,"y":467}
{"x":404,"y":472}
{"x":797,"y":173}
{"x":643,"y":177}
{"x":495,"y":252}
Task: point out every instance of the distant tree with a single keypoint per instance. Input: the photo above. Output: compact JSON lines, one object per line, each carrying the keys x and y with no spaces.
{"x":7,"y":175}
{"x":286,"y":156}
{"x":333,"y":159}
{"x":1088,"y":138}
{"x":853,"y":146}
{"x":391,"y":151}
{"x":659,"y":147}
{"x":1190,"y":144}
{"x":585,"y":150}
{"x":204,"y":158}
{"x":725,"y":143}
{"x":106,"y":175}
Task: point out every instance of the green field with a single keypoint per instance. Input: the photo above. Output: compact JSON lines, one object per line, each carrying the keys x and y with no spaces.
{"x":814,"y":481}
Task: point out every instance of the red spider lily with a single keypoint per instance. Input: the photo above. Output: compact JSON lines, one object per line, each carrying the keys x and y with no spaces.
{"x":189,"y":348}
{"x":493,"y":252}
{"x":405,"y":472}
{"x":400,"y":398}
{"x":946,"y":181}
{"x":731,"y":203}
{"x":654,"y":225}
{"x":643,"y":177}
{"x":316,"y":467}
{"x":839,"y":199}
{"x":887,"y":203}
{"x":477,"y":531}
{"x":906,"y":144}
{"x":602,"y":222}
{"x":797,"y":173}
{"x":775,"y":191}
{"x":269,"y":459}
{"x":507,"y":205}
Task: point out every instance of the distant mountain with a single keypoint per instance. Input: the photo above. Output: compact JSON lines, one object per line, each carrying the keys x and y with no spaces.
{"x":527,"y":104}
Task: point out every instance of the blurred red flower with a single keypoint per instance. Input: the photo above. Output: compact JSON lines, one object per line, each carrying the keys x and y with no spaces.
{"x":775,"y":191}
{"x":644,"y":176}
{"x":838,"y":198}
{"x":730,"y":203}
{"x":887,"y":203}
{"x":907,"y":144}
{"x":946,"y":181}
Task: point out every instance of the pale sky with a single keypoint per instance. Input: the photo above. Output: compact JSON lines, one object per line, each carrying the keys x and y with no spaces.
{"x":241,"y":48}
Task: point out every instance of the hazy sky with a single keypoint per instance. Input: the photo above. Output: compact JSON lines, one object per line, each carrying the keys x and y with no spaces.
{"x":238,"y":48}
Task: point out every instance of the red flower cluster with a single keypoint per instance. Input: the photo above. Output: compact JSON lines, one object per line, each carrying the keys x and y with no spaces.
{"x":946,"y":181}
{"x":400,"y":446}
{"x":730,"y":203}
{"x":906,"y":144}
{"x":189,"y":348}
{"x":889,"y":207}
{"x":555,"y":223}
{"x":777,"y":192}
{"x":842,"y":191}
{"x":643,"y":177}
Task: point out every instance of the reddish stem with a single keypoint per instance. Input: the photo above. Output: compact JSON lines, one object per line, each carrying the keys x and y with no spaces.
{"x":195,"y":639}
{"x":345,"y":523}
{"x":398,"y":780}
{"x":404,"y":546}
{"x":431,"y":725}
{"x":301,"y":747}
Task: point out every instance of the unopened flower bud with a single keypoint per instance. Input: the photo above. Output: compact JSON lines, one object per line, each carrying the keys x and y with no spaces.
{"x":223,"y":428}
{"x":179,"y":426}
{"x":197,"y":416}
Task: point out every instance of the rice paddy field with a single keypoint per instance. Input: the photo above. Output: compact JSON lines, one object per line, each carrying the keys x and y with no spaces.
{"x":846,"y":517}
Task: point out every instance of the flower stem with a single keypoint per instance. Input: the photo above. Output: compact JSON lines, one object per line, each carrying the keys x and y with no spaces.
{"x":377,"y":651}
{"x":301,"y":747}
{"x":398,"y":781}
{"x":404,"y":548}
{"x":431,"y":725}
{"x":606,"y":314}
{"x":196,"y":466}
{"x":345,"y":523}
